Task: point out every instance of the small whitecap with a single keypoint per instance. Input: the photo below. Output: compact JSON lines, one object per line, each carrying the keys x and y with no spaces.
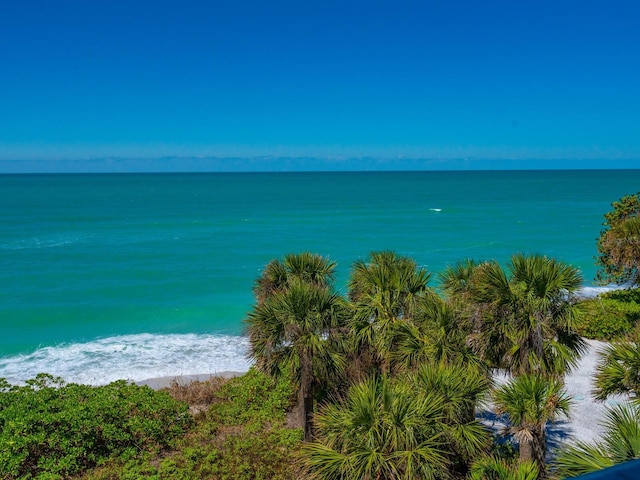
{"x":48,"y":241}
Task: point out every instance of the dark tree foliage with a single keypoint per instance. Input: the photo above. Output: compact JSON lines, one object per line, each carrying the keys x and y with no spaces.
{"x":619,"y":243}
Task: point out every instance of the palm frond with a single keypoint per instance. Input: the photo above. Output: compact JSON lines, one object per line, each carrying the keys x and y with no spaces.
{"x":618,"y":371}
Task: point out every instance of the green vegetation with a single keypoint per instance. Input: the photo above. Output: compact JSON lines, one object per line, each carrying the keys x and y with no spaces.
{"x":381,"y":383}
{"x":242,"y":435}
{"x":611,"y":316}
{"x":389,"y":429}
{"x":294,"y":326}
{"x":621,"y":442}
{"x":618,"y":371}
{"x":52,"y":430}
{"x":385,"y":293}
{"x":529,"y":402}
{"x":492,"y":468}
{"x":524,"y":317}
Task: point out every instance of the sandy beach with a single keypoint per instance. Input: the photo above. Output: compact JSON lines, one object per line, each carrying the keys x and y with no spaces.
{"x":163,"y":382}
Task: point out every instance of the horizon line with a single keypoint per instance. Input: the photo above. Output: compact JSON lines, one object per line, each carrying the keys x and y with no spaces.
{"x":271,"y":163}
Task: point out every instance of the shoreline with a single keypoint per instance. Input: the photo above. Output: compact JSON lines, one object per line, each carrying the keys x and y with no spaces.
{"x":585,"y":417}
{"x":584,"y":423}
{"x":140,"y":356}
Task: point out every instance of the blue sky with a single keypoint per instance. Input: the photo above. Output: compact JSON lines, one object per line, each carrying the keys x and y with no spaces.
{"x":168,"y":85}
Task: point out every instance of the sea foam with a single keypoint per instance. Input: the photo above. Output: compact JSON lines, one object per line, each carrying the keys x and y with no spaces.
{"x":130,"y":357}
{"x":143,"y":356}
{"x":594,"y":291}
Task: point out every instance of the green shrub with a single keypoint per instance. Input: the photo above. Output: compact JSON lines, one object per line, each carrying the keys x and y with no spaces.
{"x":610,"y":316}
{"x":52,"y":430}
{"x":237,"y":455}
{"x":631,"y":295}
{"x":253,"y":398}
{"x":243,"y":436}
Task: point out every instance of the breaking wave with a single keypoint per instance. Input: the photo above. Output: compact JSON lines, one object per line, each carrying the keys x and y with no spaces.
{"x":130,"y":357}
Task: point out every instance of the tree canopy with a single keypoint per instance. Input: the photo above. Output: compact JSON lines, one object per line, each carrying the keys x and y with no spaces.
{"x":524,"y":316}
{"x":294,"y":323}
{"x":619,"y":243}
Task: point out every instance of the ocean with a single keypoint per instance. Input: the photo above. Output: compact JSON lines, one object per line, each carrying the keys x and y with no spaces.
{"x":134,"y":276}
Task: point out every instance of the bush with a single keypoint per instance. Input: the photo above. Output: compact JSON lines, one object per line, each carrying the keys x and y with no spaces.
{"x":253,"y":398}
{"x":243,"y":436}
{"x":613,"y":315}
{"x":631,"y":295}
{"x":52,"y":430}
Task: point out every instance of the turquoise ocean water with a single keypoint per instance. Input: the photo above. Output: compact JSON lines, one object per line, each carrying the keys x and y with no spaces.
{"x":140,"y":275}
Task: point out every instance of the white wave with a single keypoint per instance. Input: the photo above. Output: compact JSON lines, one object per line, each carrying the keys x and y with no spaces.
{"x":131,"y":357}
{"x":435,"y":209}
{"x":592,"y":292}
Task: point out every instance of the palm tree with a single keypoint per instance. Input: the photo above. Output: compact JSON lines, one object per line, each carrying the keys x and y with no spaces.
{"x":294,"y":328}
{"x":437,"y":334}
{"x":526,"y":315}
{"x":308,"y":267}
{"x":455,"y":280}
{"x":492,"y":468}
{"x":384,"y":293}
{"x":292,"y":332}
{"x":618,"y":371}
{"x":383,"y":429}
{"x":621,"y":442}
{"x":461,"y":387}
{"x":529,"y":402}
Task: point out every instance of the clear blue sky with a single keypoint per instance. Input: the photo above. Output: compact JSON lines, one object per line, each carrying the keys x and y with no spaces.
{"x":88,"y":84}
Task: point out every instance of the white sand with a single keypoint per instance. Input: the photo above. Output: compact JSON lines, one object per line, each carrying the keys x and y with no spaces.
{"x":163,"y":382}
{"x":586,"y":414}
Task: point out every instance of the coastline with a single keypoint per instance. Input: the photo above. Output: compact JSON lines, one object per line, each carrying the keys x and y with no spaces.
{"x":585,"y":418}
{"x":152,"y":268}
{"x":141,"y":356}
{"x":584,"y":422}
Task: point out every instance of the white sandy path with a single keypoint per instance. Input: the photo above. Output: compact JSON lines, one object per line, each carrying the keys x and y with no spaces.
{"x":586,"y":415}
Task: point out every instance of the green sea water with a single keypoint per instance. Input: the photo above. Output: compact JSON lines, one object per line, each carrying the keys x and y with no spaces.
{"x":153,"y":260}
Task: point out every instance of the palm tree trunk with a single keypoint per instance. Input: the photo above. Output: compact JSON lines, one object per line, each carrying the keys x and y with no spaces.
{"x":534,"y":449}
{"x":539,"y":452}
{"x":533,"y":344}
{"x":526,"y":450}
{"x":539,"y":339}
